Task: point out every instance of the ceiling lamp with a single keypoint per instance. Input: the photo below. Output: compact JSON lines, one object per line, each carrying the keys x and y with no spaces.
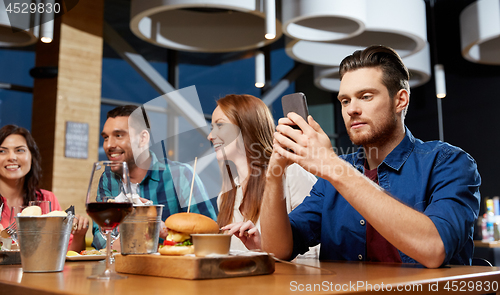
{"x":270,"y":11}
{"x":260,"y":69}
{"x":17,"y":30}
{"x":324,"y":20}
{"x":399,"y":25}
{"x":480,"y":32}
{"x":440,"y":81}
{"x":204,"y":25}
{"x":419,"y":66}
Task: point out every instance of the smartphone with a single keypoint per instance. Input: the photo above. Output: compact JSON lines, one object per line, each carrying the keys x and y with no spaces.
{"x":295,"y":102}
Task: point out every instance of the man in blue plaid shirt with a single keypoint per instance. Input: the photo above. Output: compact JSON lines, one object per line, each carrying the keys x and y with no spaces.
{"x":127,"y":139}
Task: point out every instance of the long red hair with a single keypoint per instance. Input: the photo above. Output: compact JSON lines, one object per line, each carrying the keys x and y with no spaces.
{"x":257,"y":126}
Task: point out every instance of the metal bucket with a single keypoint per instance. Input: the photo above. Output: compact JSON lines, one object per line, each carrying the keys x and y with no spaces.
{"x":140,"y":230}
{"x":43,"y":241}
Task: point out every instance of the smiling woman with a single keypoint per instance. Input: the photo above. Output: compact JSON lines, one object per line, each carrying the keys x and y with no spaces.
{"x":20,"y":170}
{"x":242,"y":134}
{"x":18,"y":158}
{"x":20,"y":174}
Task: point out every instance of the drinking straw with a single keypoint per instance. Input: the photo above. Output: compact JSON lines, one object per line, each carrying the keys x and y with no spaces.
{"x":192,"y":184}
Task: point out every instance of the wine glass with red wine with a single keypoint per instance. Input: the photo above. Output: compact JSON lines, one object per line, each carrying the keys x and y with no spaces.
{"x":108,"y":203}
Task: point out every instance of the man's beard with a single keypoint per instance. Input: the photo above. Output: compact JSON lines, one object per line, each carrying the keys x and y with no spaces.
{"x":379,"y":135}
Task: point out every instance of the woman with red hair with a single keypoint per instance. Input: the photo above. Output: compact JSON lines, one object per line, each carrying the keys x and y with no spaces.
{"x":242,"y":136}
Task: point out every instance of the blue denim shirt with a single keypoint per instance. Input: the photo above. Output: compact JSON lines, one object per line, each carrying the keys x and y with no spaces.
{"x":434,"y":178}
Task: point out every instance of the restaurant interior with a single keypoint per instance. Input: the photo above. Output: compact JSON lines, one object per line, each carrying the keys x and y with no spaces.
{"x":104,"y":53}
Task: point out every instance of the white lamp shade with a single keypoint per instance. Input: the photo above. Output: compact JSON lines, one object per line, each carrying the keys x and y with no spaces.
{"x":399,"y":25}
{"x":327,"y":79}
{"x":480,"y":32}
{"x":323,"y":20}
{"x":23,"y":25}
{"x":419,"y":66}
{"x":402,"y":25}
{"x":202,"y":25}
{"x":318,"y":53}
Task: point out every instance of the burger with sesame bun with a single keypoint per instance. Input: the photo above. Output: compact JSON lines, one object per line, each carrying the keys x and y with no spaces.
{"x":180,"y":227}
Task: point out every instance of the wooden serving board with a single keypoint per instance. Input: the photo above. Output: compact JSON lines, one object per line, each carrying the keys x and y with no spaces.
{"x":195,"y":268}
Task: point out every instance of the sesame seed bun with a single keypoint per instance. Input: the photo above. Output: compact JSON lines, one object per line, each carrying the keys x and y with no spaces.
{"x":191,"y":223}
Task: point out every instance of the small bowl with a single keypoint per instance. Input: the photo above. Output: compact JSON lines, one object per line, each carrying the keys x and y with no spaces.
{"x":211,"y":244}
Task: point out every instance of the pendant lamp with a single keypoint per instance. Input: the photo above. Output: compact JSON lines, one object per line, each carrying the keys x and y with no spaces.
{"x":16,"y":29}
{"x":204,"y":25}
{"x":324,"y":20}
{"x":480,"y":32}
{"x":260,"y":69}
{"x":398,"y":24}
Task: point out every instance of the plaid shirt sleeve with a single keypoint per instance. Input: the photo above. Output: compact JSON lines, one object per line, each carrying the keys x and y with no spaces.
{"x":98,"y":241}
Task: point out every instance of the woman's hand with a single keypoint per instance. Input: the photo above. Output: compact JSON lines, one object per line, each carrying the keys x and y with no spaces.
{"x":80,"y":225}
{"x":247,"y":232}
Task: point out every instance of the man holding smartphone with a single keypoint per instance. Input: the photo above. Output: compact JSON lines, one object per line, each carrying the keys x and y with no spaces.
{"x":397,"y":199}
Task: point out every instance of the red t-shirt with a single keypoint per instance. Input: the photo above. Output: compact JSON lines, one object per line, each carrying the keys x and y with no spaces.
{"x":377,"y":247}
{"x":45,"y":196}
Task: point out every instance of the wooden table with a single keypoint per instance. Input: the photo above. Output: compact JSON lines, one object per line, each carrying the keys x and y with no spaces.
{"x":495,"y":244}
{"x":333,"y":278}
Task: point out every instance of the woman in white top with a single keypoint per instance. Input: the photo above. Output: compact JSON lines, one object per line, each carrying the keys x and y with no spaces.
{"x":242,"y":135}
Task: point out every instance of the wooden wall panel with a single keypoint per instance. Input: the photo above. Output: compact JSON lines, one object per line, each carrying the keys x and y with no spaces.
{"x":75,"y":95}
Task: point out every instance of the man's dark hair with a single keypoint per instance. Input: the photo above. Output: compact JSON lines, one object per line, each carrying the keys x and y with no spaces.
{"x":140,"y":119}
{"x":122,"y":111}
{"x":395,"y":74}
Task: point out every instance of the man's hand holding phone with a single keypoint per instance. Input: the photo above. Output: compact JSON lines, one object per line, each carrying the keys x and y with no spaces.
{"x":289,"y":127}
{"x":309,"y":146}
